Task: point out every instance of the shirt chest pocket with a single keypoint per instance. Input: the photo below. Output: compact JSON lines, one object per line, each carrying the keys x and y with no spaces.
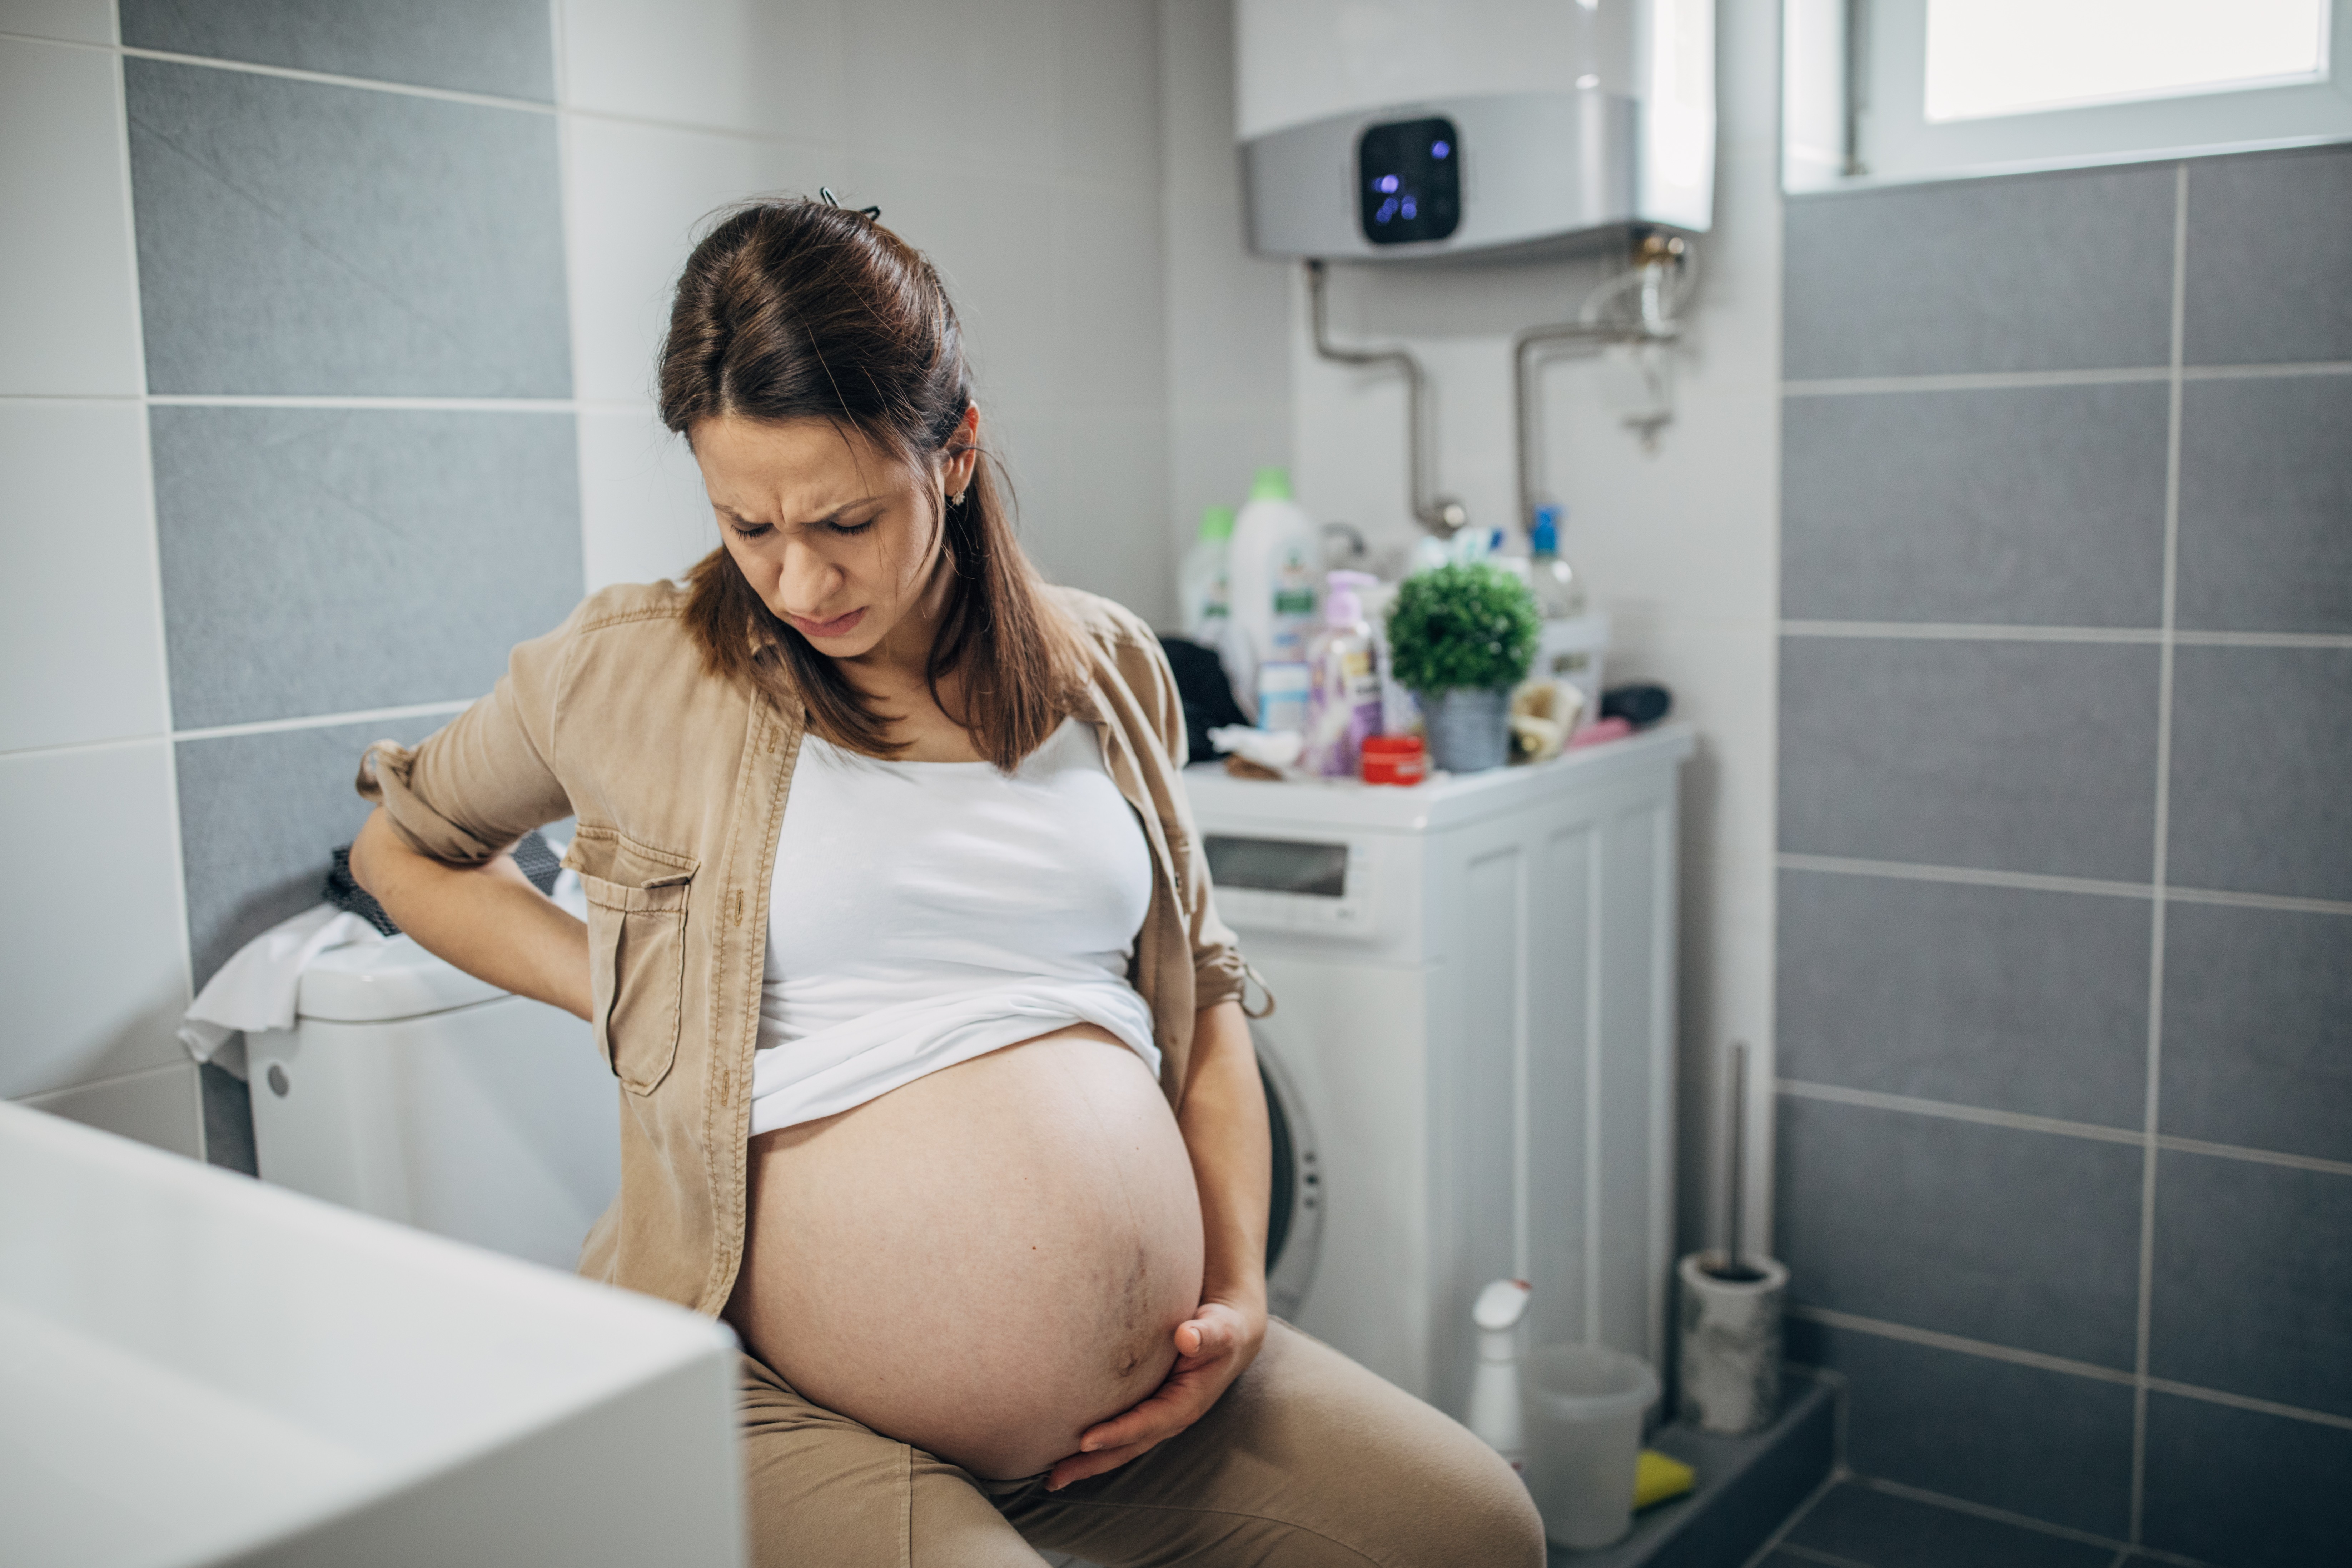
{"x":639,"y":901}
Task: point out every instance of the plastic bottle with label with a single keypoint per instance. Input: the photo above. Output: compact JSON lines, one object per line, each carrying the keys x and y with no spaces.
{"x":1559,"y":592}
{"x":1276,"y":557}
{"x":1206,"y":594}
{"x":1343,"y":696}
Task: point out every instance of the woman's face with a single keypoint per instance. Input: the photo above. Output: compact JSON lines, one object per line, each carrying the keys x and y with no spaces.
{"x":832,"y":534}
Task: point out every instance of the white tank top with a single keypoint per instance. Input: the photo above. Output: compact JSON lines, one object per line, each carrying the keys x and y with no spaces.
{"x":925,"y":913}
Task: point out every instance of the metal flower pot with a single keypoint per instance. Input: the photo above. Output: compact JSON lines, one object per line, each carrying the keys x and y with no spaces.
{"x":1469,"y":728}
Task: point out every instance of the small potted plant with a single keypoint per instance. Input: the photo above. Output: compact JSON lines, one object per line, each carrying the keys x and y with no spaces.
{"x":1460,"y":637}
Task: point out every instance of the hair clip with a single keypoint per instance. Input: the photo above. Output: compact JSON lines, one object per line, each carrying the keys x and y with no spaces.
{"x":832,"y":201}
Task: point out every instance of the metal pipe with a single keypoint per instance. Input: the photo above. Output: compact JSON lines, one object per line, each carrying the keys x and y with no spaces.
{"x":1657,"y":325}
{"x":1442,"y":515}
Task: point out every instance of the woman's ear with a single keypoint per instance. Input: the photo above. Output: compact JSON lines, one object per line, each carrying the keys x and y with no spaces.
{"x":963,"y":452}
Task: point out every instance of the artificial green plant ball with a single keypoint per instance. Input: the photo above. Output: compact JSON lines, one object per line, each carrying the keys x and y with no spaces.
{"x":1465,"y":625}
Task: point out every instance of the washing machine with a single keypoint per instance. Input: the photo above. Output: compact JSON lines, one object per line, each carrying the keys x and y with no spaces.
{"x":1475,"y":981}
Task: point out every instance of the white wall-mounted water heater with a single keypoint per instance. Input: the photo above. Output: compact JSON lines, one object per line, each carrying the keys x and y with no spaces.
{"x":1394,"y":130}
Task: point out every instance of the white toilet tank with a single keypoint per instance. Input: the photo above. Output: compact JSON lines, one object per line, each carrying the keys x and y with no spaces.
{"x":410,"y":1089}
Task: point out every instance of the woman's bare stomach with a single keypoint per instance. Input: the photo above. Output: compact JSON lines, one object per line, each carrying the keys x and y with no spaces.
{"x":984,"y":1262}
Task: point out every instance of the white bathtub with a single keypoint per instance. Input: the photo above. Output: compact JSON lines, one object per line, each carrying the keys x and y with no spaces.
{"x":197,"y":1368}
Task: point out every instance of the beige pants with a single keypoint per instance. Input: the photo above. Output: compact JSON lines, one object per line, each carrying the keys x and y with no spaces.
{"x":1308,"y":1461}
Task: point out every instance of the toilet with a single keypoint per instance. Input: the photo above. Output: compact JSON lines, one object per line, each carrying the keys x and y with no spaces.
{"x":409,"y":1089}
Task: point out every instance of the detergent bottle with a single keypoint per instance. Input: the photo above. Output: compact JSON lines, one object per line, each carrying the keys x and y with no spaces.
{"x":1343,"y":693}
{"x":1272,"y":564}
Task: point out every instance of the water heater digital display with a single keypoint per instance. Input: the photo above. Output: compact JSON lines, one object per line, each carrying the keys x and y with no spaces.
{"x":1409,"y":180}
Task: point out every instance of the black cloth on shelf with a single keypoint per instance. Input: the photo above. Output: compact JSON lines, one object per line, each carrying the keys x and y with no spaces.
{"x":531,"y":857}
{"x":1206,"y":691}
{"x":1637,"y":705}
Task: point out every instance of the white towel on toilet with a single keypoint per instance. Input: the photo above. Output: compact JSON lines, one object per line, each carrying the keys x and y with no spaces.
{"x":257,"y":988}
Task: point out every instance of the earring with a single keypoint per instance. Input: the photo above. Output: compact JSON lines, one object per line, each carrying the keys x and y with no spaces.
{"x":956,"y":500}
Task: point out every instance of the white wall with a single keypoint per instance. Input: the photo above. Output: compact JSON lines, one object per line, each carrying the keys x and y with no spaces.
{"x":1016,"y":142}
{"x":94,"y":936}
{"x":1680,"y":542}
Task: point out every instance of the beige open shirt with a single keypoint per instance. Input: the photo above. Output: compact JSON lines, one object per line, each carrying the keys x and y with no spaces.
{"x":678,"y":780}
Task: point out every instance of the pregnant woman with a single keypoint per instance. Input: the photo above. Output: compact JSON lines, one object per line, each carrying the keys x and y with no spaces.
{"x":934,"y":1077}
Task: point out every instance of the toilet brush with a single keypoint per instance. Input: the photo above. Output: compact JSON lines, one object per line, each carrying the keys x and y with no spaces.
{"x":1728,"y":1360}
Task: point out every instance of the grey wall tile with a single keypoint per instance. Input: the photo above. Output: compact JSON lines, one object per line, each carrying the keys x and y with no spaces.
{"x":2002,"y":997}
{"x":301,"y":238}
{"x":498,"y":46}
{"x":2261,"y":757}
{"x":325,"y":560}
{"x":2044,"y":1444}
{"x":2034,"y":757}
{"x":2252,"y":1289}
{"x":2266,"y":504}
{"x":1863,"y":1525}
{"x":2067,"y":271}
{"x":2270,"y":244}
{"x":259,"y":819}
{"x":2030,"y":505}
{"x":2250,"y":1489}
{"x":2027,"y":1239}
{"x":2258,"y":1028}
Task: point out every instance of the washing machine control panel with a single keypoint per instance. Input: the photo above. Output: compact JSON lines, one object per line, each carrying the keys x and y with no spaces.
{"x":1311,"y":882}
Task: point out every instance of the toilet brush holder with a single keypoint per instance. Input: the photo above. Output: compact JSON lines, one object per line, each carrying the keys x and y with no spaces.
{"x":1727,"y":1369}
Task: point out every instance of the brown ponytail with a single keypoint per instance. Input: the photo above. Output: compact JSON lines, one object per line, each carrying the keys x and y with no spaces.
{"x":799,"y":309}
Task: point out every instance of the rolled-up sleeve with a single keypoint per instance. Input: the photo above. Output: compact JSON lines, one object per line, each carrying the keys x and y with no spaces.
{"x":468,"y":791}
{"x":1220,"y":973}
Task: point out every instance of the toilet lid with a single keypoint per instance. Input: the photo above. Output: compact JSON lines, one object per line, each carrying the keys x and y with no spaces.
{"x":376,"y":982}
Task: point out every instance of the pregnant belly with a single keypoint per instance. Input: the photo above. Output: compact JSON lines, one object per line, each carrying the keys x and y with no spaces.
{"x":985,"y":1262}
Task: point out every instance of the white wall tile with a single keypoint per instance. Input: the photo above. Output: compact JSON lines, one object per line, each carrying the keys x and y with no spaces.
{"x":642,"y":510}
{"x":1110,"y":91}
{"x":991,"y":236}
{"x":80,"y":635}
{"x":95,"y":965}
{"x":68,"y":317}
{"x":772,"y":66}
{"x":976,"y":85}
{"x":77,"y":21}
{"x":637,"y":197}
{"x":162,"y":1106}
{"x":1107,"y":533}
{"x":1111,"y":302}
{"x":1196,"y":100}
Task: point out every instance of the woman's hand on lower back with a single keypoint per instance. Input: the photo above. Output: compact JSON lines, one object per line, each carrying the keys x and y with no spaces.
{"x":1213,"y":1346}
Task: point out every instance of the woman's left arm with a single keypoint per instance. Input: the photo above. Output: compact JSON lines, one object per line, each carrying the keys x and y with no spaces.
{"x":1223,"y":1119}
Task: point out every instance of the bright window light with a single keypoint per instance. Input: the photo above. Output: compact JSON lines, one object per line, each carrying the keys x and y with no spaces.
{"x":1989,"y":57}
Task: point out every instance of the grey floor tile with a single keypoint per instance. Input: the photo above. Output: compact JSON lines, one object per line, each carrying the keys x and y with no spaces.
{"x":503,"y":48}
{"x":2035,"y":757}
{"x":2261,"y":757}
{"x":2069,"y":271}
{"x":2024,"y":1239}
{"x":328,"y":561}
{"x":2003,"y":997}
{"x":2270,"y":244}
{"x":2253,"y":1290}
{"x":2266,"y":504}
{"x":259,"y":819}
{"x":2257,"y":1029}
{"x":2044,"y":1444}
{"x":296,"y":237}
{"x":2037,"y":505}
{"x":2246,"y":1488}
{"x":1860,"y":1523}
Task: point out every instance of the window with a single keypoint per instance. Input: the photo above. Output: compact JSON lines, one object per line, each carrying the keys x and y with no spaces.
{"x":1883,"y":91}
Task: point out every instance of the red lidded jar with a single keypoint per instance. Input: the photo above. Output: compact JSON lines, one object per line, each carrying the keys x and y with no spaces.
{"x":1394,"y":760}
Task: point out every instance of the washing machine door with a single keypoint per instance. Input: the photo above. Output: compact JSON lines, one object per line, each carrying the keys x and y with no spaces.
{"x":1294,"y":1231}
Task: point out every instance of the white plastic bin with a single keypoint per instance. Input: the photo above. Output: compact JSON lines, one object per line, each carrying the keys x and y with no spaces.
{"x":1584,"y":1405}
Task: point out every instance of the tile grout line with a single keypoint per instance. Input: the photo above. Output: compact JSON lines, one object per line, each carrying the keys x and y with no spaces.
{"x":2039,"y":882}
{"x":1966,"y":631}
{"x":2021,"y":1520}
{"x":2090,"y":1372}
{"x":176,"y":835}
{"x":321,"y":721}
{"x":107,"y":1080}
{"x":2025,"y":380}
{"x":1774,"y":1542}
{"x":2057,"y":1127}
{"x":2144,"y":1324}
